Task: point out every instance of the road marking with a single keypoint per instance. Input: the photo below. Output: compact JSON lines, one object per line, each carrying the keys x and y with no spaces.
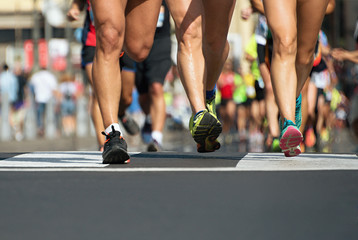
{"x":305,"y":161}
{"x":92,"y":162}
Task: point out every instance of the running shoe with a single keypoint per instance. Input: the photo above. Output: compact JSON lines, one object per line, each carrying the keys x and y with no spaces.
{"x":205,"y":129}
{"x":154,"y":146}
{"x":310,"y":138}
{"x":210,"y":105}
{"x":146,"y":133}
{"x":115,"y":149}
{"x":129,"y":124}
{"x":298,"y":111}
{"x":275,"y":146}
{"x":290,"y":139}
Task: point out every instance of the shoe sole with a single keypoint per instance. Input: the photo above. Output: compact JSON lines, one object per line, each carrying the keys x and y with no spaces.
{"x":117,"y":155}
{"x":206,"y":134}
{"x":292,"y":152}
{"x":290,"y":142}
{"x":134,"y":130}
{"x":152,"y":148}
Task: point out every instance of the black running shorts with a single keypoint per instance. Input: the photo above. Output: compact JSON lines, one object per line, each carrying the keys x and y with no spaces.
{"x":155,"y":67}
{"x":127,"y":64}
{"x":87,"y":55}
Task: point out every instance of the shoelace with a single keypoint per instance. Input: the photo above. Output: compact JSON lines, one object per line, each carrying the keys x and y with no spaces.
{"x":110,"y":135}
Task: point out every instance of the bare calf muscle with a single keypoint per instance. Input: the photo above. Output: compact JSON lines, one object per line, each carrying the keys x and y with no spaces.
{"x":295,"y":26}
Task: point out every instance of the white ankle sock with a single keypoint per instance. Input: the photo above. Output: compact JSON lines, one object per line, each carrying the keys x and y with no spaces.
{"x":158,"y":136}
{"x":116,"y":128}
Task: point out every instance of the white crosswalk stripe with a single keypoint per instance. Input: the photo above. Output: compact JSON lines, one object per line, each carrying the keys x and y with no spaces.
{"x":92,"y":161}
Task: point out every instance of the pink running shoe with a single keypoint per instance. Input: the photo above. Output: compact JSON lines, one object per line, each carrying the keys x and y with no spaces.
{"x":290,"y":139}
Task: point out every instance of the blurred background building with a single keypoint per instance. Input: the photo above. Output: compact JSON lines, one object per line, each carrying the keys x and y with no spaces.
{"x":25,"y":22}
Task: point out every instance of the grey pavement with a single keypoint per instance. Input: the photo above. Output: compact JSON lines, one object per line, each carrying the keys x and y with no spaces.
{"x":59,"y":189}
{"x":178,"y":195}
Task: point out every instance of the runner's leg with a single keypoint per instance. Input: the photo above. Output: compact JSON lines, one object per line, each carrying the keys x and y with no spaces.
{"x":94,"y":109}
{"x":310,"y":14}
{"x":281,"y":16}
{"x":110,"y":25}
{"x":141,"y":22}
{"x":217,"y":18}
{"x":187,"y":15}
{"x":128,"y":78}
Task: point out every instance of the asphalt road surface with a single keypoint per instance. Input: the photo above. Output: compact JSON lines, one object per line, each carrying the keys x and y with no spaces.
{"x":177,"y":195}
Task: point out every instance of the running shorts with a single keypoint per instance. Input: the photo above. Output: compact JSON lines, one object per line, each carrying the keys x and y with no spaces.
{"x":155,"y":67}
{"x":87,"y":54}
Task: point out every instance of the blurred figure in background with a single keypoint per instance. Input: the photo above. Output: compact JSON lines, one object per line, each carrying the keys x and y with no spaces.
{"x":264,"y":51}
{"x":9,"y":87}
{"x":255,"y":91}
{"x":20,"y":104}
{"x":150,"y":78}
{"x":68,"y":95}
{"x":340,"y":54}
{"x":226,"y":87}
{"x":317,"y":92}
{"x":242,"y":104}
{"x":44,"y":86}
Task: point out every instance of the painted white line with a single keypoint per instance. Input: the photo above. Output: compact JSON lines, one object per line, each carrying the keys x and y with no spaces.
{"x":54,"y":159}
{"x":154,"y":169}
{"x":92,"y":162}
{"x":305,"y":161}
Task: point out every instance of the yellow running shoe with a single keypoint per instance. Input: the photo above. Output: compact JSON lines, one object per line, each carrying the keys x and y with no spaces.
{"x":205,"y":129}
{"x":210,"y":105}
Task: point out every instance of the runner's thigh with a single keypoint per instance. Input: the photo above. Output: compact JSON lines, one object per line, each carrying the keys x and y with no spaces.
{"x":310,"y":14}
{"x":187,"y":15}
{"x":109,"y":19}
{"x":217,"y":17}
{"x":141,"y":22}
{"x":281,"y":19}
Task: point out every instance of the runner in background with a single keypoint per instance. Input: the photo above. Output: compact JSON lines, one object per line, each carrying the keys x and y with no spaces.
{"x":264,"y":51}
{"x":255,"y":92}
{"x":340,"y":54}
{"x":149,"y":81}
{"x":226,"y":87}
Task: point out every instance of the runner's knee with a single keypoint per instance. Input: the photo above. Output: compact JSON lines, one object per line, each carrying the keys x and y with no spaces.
{"x":110,"y":38}
{"x":156,"y":89}
{"x":139,"y":50}
{"x":217,"y":45}
{"x":285,"y":46}
{"x":191,"y":35}
{"x":305,"y":58}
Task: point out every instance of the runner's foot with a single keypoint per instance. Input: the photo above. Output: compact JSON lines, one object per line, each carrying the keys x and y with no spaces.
{"x":115,"y":148}
{"x":129,"y":124}
{"x":290,"y":139}
{"x":205,"y":129}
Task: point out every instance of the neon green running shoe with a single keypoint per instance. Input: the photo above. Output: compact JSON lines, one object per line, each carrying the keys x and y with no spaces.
{"x":205,"y":129}
{"x":210,"y":105}
{"x":275,"y":146}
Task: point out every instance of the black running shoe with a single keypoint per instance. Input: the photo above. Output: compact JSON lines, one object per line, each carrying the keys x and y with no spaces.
{"x":154,"y":146}
{"x":115,"y":149}
{"x":129,"y":124}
